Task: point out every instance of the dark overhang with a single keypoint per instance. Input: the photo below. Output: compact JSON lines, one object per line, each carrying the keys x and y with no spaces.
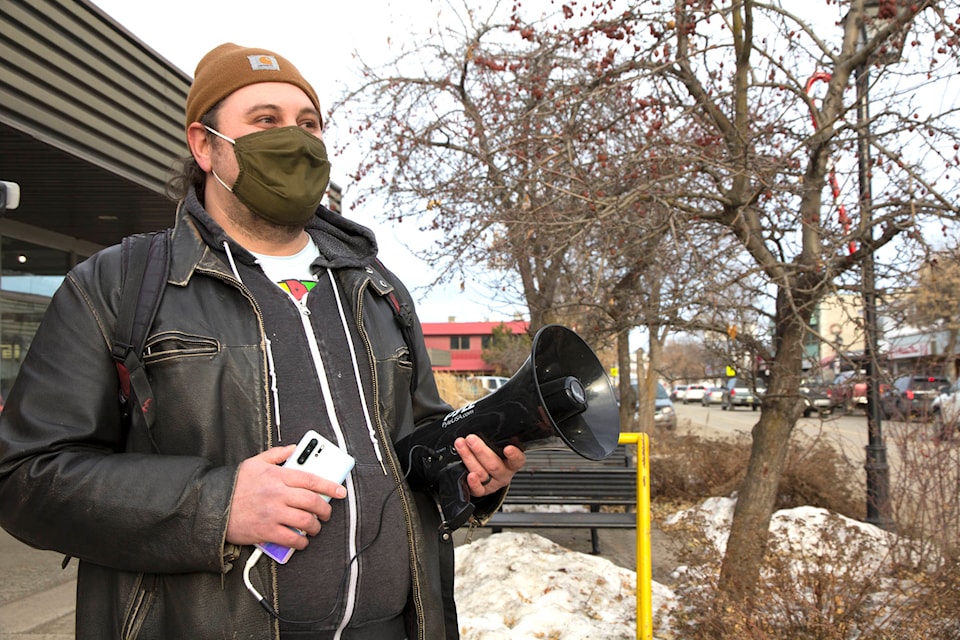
{"x":91,"y":126}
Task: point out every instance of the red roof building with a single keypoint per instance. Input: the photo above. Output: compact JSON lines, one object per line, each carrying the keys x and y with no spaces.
{"x":456,"y":346}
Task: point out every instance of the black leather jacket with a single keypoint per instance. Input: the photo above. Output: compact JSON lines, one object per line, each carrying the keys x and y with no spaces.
{"x":149,"y":526}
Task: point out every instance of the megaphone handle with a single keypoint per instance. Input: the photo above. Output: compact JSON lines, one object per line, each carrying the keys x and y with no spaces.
{"x":454,"y":495}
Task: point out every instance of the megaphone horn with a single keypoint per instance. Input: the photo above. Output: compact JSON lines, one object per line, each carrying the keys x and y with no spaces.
{"x":560,"y":398}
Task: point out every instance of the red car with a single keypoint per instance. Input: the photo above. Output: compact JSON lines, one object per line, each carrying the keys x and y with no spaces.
{"x":849,"y":390}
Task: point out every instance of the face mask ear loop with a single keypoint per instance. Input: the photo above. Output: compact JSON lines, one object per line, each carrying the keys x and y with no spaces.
{"x":231,"y":141}
{"x":222,"y":183}
{"x":220,"y":135}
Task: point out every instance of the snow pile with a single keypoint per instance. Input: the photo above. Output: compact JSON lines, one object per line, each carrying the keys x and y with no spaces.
{"x":809,"y":535}
{"x":522,"y":586}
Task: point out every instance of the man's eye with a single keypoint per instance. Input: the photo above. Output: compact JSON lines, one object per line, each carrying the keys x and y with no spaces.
{"x":310,"y":124}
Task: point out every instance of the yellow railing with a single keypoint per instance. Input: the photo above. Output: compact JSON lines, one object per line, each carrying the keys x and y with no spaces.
{"x":644,"y":566}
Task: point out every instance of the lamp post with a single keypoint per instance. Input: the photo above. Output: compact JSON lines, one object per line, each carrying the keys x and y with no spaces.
{"x":876,"y":467}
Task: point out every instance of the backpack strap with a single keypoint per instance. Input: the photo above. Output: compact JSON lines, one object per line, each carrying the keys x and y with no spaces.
{"x":402,"y":314}
{"x":145,"y":263}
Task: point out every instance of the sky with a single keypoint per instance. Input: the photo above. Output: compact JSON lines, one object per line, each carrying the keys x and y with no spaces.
{"x":322,"y":40}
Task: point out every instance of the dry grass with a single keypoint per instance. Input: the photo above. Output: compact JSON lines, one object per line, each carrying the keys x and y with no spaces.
{"x":913,"y":594}
{"x":456,"y":390}
{"x":685,"y":468}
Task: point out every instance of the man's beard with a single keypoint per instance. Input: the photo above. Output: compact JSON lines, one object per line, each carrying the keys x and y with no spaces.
{"x":259,"y":227}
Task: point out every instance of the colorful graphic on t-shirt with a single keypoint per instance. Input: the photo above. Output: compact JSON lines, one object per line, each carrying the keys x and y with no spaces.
{"x":297,"y":288}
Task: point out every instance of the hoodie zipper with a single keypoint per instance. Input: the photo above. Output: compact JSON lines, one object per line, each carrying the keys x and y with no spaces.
{"x":352,"y":521}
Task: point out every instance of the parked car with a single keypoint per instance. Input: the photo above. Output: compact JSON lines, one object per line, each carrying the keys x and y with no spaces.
{"x":738,"y":394}
{"x":678,"y":392}
{"x":713,"y":395}
{"x":694,"y":393}
{"x":816,"y":398}
{"x":849,"y":390}
{"x":911,"y":396}
{"x":664,"y":416}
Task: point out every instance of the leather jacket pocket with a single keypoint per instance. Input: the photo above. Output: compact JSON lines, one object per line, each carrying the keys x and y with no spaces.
{"x":139,"y":606}
{"x":395,"y":375}
{"x":403,"y":359}
{"x":176,"y":344}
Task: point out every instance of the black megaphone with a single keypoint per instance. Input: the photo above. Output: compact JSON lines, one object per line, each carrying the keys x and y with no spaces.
{"x":560,"y":398}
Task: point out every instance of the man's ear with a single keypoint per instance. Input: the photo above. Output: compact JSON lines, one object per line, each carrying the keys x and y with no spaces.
{"x":200,"y":146}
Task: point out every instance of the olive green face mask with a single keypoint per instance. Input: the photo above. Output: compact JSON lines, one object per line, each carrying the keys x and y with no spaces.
{"x":283,"y":173}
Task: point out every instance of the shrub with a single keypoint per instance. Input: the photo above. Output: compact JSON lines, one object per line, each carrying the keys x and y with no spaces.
{"x":686,"y":468}
{"x":843,"y":580}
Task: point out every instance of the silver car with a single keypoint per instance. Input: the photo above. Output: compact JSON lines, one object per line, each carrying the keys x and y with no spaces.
{"x":738,"y":394}
{"x":713,"y":395}
{"x":665,"y":416}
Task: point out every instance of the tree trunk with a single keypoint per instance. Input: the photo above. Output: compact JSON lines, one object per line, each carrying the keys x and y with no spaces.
{"x":782,"y":407}
{"x":648,"y":382}
{"x":949,"y":355}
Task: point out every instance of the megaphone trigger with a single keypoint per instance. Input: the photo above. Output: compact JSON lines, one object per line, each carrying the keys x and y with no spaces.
{"x":560,"y":397}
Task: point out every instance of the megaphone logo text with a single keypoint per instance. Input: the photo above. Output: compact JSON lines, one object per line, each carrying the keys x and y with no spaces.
{"x":453,"y":417}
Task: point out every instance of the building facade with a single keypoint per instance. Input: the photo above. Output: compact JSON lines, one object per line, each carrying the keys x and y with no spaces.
{"x":91,"y":130}
{"x":457,"y":346}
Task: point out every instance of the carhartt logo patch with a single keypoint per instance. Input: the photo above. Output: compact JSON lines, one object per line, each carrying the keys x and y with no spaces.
{"x":263,"y":63}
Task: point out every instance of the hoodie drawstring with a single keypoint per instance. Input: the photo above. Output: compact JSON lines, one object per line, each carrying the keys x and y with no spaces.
{"x":356,"y":372}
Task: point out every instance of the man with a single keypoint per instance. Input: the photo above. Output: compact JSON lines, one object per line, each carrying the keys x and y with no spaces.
{"x":163,"y":518}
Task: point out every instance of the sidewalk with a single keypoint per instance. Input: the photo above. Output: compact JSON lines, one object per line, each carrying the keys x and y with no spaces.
{"x":36,"y":595}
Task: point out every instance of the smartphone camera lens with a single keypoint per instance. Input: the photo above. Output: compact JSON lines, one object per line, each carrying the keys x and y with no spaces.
{"x":307,"y":450}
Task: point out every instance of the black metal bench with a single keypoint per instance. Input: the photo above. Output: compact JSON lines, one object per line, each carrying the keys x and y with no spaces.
{"x":563,"y":478}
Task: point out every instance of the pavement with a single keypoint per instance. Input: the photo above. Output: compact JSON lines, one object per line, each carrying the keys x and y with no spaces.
{"x":37,"y":595}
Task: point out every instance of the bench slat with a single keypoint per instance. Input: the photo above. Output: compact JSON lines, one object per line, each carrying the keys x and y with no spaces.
{"x":608,"y":487}
{"x":583,"y":520}
{"x":565,"y":499}
{"x":567,"y":459}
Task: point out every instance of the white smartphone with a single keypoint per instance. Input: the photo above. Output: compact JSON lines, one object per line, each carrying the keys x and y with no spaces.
{"x":319,"y":456}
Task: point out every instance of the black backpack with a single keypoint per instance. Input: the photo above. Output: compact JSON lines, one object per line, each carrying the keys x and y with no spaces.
{"x":145,"y":262}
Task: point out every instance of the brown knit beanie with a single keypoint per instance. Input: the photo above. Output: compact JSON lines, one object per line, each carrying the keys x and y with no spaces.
{"x":230,"y":67}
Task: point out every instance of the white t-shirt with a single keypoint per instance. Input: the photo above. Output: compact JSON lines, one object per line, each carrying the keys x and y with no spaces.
{"x":291,"y":273}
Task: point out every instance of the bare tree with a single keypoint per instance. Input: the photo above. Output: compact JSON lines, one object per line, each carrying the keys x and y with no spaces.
{"x":688,"y":359}
{"x":506,"y":352}
{"x":519,"y":145}
{"x":757,"y":169}
{"x":933,"y":303}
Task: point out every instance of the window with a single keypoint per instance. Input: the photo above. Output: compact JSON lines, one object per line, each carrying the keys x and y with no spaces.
{"x":459,"y":343}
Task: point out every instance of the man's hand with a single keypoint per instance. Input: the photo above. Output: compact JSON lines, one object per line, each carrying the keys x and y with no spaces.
{"x":268,"y":499}
{"x":488,"y":472}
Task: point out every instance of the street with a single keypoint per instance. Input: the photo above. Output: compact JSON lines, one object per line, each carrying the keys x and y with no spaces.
{"x":848,"y":431}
